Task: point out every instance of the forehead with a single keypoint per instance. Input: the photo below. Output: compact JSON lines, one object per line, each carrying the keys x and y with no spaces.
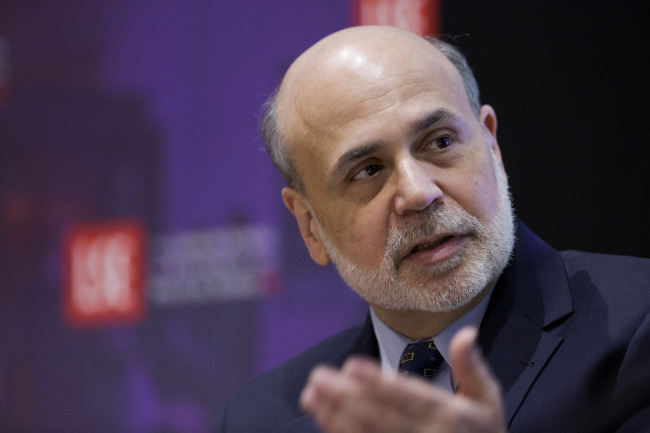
{"x":357,"y":80}
{"x":357,"y":93}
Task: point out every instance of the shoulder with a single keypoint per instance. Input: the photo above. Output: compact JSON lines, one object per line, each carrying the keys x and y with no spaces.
{"x":613,"y":291}
{"x":271,"y":401}
{"x":611,"y":296}
{"x":622,"y":281}
{"x":606,"y":265}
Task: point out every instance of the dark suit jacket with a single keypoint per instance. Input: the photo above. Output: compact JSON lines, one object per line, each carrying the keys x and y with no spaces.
{"x":566,"y":333}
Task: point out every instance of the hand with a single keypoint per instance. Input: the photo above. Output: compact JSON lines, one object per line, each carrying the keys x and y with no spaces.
{"x":361,"y":399}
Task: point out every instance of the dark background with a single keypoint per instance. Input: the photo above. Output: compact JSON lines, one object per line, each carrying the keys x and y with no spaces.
{"x":570,"y":82}
{"x":148,"y":109}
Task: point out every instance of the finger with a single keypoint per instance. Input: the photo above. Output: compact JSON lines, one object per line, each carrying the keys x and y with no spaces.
{"x":407,"y":395}
{"x":474,"y":378}
{"x":362,"y":398}
{"x":319,"y":385}
{"x":338,"y":402}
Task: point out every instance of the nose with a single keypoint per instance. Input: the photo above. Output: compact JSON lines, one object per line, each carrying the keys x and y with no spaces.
{"x":416,"y":187}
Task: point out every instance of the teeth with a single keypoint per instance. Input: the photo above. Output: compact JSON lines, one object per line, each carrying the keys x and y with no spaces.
{"x":429,"y":245}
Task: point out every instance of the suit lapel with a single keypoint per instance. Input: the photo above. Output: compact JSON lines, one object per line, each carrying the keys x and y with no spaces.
{"x":517,"y":351}
{"x":531,"y":298}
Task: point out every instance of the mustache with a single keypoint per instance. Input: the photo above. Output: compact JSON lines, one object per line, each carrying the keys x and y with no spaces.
{"x":433,"y":221}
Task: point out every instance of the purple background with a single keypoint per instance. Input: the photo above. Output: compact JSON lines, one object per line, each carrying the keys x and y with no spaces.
{"x":146,"y":108}
{"x":149,"y":109}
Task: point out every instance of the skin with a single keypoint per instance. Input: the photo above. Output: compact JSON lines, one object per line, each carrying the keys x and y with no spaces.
{"x":373,"y":85}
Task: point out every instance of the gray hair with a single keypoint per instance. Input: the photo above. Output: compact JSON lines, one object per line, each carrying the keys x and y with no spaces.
{"x":276,"y":145}
{"x":459,"y":61}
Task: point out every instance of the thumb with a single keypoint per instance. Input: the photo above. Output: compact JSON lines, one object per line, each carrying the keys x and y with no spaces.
{"x":474,"y":378}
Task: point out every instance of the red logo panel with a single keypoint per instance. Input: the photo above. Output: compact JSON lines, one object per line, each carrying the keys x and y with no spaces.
{"x":104,"y":273}
{"x":419,"y":16}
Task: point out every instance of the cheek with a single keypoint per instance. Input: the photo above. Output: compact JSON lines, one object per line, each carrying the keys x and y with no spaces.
{"x":486,"y":193}
{"x":478,"y":193}
{"x":361,"y":234}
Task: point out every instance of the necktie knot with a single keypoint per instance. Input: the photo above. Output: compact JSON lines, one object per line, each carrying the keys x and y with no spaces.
{"x":421,"y":359}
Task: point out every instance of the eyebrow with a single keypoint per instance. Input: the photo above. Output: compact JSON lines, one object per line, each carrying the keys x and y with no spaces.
{"x":433,"y":118}
{"x":353,"y":155}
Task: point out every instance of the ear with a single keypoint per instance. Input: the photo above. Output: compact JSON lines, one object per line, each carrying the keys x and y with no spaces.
{"x":297,"y":205}
{"x":488,"y":119}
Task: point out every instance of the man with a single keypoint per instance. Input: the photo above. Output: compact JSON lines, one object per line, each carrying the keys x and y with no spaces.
{"x":395,"y":175}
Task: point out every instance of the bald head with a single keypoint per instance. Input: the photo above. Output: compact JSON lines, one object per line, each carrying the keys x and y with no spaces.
{"x":342,"y":73}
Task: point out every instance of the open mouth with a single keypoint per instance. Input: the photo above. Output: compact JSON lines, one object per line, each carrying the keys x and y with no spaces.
{"x":430,"y":245}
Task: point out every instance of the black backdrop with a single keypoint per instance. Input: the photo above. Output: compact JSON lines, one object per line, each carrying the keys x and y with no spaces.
{"x":570,"y":82}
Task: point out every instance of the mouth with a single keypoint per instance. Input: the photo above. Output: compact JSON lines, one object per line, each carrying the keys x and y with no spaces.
{"x":431,"y":245}
{"x":437,"y":249}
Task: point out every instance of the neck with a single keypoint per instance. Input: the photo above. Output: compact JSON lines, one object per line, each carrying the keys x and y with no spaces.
{"x":416,"y":324}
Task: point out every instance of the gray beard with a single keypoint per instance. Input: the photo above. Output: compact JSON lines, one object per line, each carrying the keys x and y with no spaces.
{"x":440,"y":287}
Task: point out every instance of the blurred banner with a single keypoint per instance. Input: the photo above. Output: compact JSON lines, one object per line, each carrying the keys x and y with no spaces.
{"x":418,"y":16}
{"x":104,"y":273}
{"x":212,"y":265}
{"x":107,"y":280}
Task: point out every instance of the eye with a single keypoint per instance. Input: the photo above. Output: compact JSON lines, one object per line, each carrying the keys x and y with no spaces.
{"x":367,"y":171}
{"x":442,"y":142}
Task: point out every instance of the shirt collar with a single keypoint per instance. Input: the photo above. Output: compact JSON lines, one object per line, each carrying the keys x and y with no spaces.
{"x":392,"y":343}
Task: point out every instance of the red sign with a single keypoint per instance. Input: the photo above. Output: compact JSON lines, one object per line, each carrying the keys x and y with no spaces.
{"x":104,"y":273}
{"x":419,"y":16}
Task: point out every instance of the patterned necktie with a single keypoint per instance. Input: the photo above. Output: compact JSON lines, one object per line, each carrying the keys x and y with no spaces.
{"x":420,"y":359}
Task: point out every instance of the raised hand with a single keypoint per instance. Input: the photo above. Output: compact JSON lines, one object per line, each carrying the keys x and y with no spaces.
{"x":360,"y":398}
